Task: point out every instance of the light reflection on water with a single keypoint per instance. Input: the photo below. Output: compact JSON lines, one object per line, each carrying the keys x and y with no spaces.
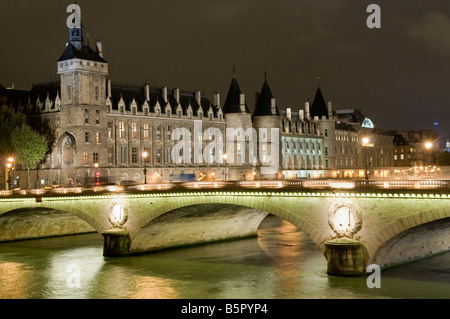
{"x":282,"y":263}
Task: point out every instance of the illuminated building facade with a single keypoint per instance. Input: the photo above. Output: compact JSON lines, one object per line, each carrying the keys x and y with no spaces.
{"x":102,"y":129}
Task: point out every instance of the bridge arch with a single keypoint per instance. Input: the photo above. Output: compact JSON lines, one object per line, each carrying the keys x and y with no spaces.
{"x":386,"y":245}
{"x":138,"y":228}
{"x":7,"y":209}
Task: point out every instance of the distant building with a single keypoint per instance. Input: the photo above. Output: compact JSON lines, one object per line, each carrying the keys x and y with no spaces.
{"x":415,"y":148}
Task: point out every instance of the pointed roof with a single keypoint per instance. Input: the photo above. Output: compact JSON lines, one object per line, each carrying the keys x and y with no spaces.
{"x":84,"y":53}
{"x":232,"y":102}
{"x":263,"y":105}
{"x":319,"y":107}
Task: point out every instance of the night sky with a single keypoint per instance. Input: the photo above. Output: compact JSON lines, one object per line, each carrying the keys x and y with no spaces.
{"x":397,"y":75}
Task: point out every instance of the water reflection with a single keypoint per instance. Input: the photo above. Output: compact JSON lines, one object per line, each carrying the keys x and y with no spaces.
{"x":282,"y":263}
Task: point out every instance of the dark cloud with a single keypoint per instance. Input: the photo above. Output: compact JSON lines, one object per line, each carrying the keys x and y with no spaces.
{"x":434,"y":31}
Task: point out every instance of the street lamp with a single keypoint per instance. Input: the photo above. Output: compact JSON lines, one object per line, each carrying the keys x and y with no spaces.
{"x":145,"y":155}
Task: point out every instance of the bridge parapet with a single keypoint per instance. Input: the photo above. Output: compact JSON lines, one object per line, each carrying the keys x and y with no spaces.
{"x":264,"y":184}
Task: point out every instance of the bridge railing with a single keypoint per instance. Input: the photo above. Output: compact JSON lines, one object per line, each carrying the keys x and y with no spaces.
{"x":276,"y":184}
{"x":401,"y":184}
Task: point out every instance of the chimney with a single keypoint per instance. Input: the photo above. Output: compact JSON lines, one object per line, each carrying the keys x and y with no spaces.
{"x":273,"y":106}
{"x":307,"y":110}
{"x":109,"y":88}
{"x":147,"y":91}
{"x":242,"y":102}
{"x":301,"y":114}
{"x":217,"y":100}
{"x":164,"y":93}
{"x":198,"y":97}
{"x":176,"y":93}
{"x":100,"y":48}
{"x":330,"y":109}
{"x":288,"y":114}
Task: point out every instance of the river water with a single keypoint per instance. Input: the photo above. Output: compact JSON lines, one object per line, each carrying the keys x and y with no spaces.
{"x":282,"y":263}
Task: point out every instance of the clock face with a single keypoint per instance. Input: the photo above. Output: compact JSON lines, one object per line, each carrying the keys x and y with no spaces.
{"x":367,"y":123}
{"x":76,"y":34}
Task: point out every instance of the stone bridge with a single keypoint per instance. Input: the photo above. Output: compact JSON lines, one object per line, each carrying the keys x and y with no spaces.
{"x":354,"y":227}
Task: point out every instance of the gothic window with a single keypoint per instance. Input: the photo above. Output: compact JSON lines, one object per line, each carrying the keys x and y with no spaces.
{"x":134,"y":155}
{"x":122,"y":129}
{"x":95,"y":157}
{"x":134,"y":131}
{"x":69,"y":92}
{"x":85,"y":158}
{"x":123,"y":155}
{"x":146,"y":131}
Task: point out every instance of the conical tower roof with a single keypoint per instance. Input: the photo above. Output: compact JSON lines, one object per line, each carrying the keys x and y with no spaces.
{"x":319,"y":107}
{"x":232,"y":102}
{"x":264,"y":105}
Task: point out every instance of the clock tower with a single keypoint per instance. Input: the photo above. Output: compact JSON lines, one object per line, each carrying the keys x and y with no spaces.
{"x":83,"y":120}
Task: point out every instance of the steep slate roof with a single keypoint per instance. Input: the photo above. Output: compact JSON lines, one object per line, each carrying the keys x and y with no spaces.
{"x":319,"y":107}
{"x":344,"y":127}
{"x":15,"y":98}
{"x":137,"y":93}
{"x":84,"y":53}
{"x":232,"y":102}
{"x":263,"y":105}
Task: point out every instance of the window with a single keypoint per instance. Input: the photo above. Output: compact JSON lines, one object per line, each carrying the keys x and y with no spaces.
{"x":86,"y":137}
{"x":95,"y":157}
{"x":133,"y":111}
{"x":122,"y":110}
{"x":97,"y":93}
{"x":110,"y":124}
{"x":146,"y":111}
{"x":85,"y":158}
{"x":158,"y":132}
{"x":134,"y":131}
{"x":123,"y":155}
{"x":146,"y":131}
{"x":97,"y":137}
{"x":69,"y":92}
{"x":86,"y":116}
{"x":158,"y":155}
{"x":134,"y":155}
{"x":169,"y":158}
{"x":122,"y":129}
{"x":326,"y":132}
{"x":326,"y":150}
{"x":402,"y":156}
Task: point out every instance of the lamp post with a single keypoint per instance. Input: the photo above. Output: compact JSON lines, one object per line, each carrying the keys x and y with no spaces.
{"x":8,"y":176}
{"x":145,"y":155}
{"x":365,"y":143}
{"x":428,"y":146}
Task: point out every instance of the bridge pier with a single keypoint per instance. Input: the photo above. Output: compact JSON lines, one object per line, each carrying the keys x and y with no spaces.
{"x":116,"y":243}
{"x":344,"y":257}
